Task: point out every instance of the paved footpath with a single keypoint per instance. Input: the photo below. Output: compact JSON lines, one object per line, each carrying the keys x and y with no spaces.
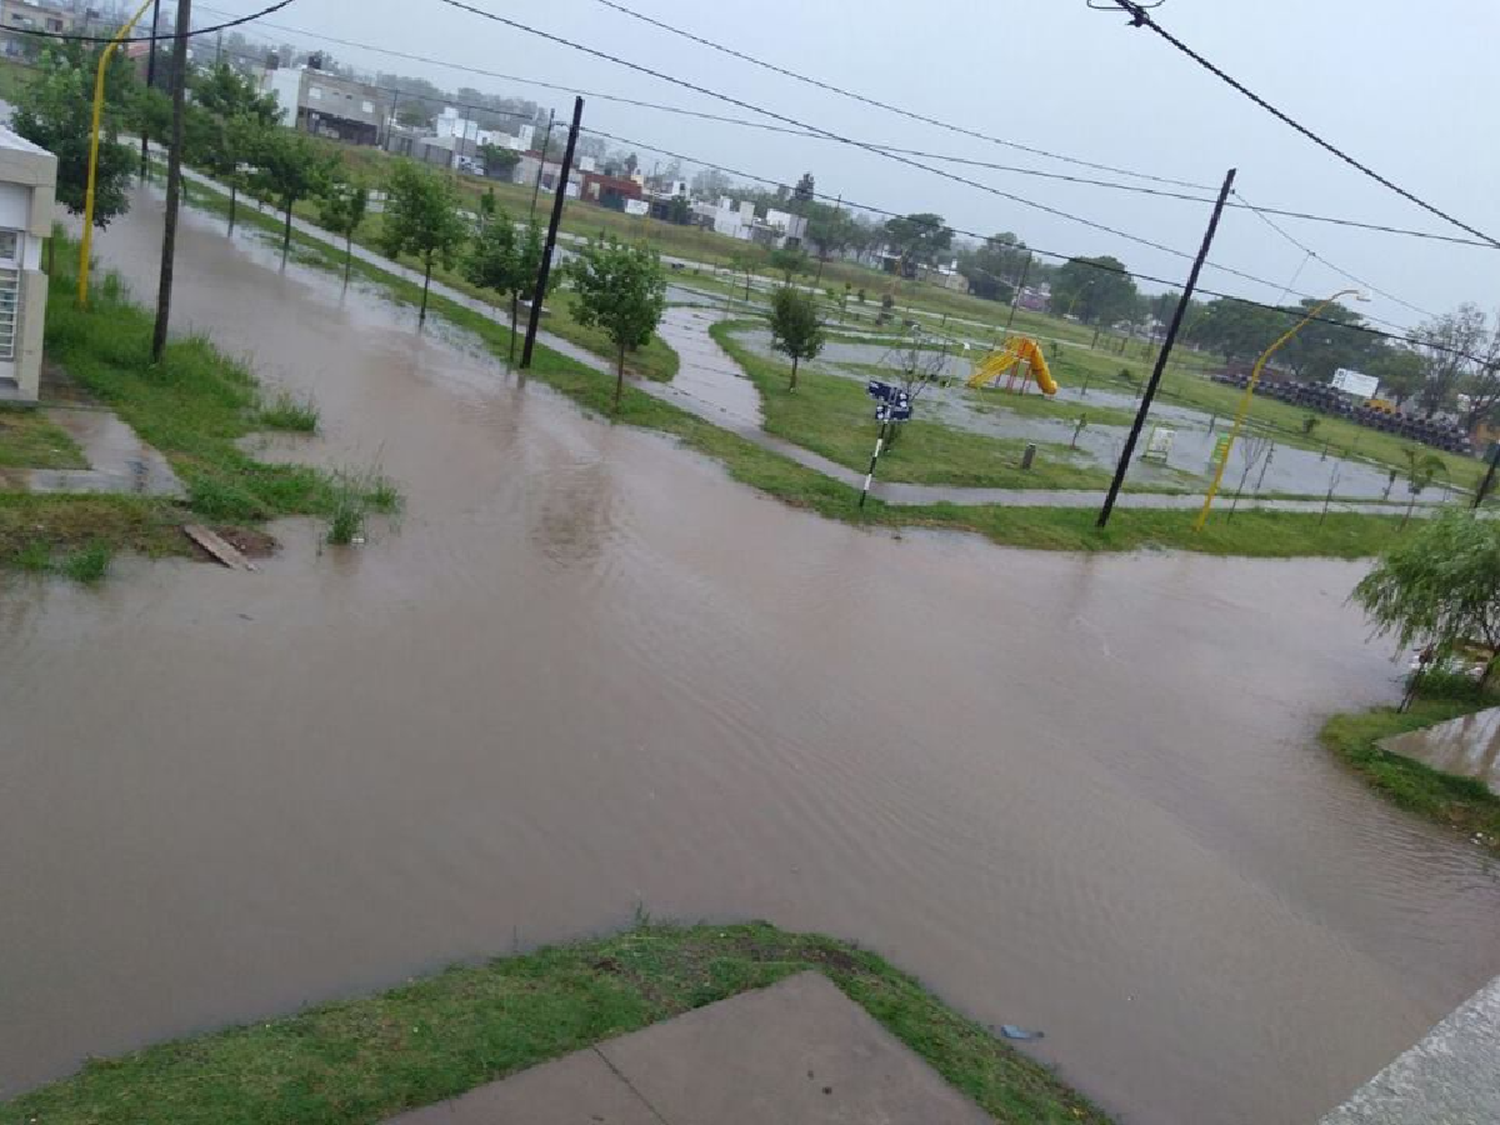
{"x":710,"y":370}
{"x":797,"y":1053}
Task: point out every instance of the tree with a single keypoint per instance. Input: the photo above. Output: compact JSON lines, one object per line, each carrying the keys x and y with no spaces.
{"x":994,"y":269}
{"x":499,"y":162}
{"x":422,"y":219}
{"x":506,"y":260}
{"x":918,"y":239}
{"x":1400,"y":372}
{"x":1439,"y":587}
{"x":830,"y":230}
{"x":632,"y":164}
{"x":1444,"y":344}
{"x":289,"y":168}
{"x":487,"y":208}
{"x":225,"y":125}
{"x":55,"y":110}
{"x":1163,"y":306}
{"x":415,"y":115}
{"x":1325,"y":345}
{"x":789,"y":260}
{"x":679,"y":210}
{"x":1096,"y":290}
{"x":796,"y":331}
{"x":1234,"y":329}
{"x":1422,"y":469}
{"x":805,"y":190}
{"x":622,"y":290}
{"x":343,"y":208}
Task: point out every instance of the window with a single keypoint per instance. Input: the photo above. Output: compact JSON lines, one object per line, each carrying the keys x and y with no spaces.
{"x":367,"y":105}
{"x":10,"y":247}
{"x":54,"y":25}
{"x":315,"y":93}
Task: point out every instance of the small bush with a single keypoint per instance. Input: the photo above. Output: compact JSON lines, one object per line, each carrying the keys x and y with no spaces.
{"x":288,"y":412}
{"x":355,"y":496}
{"x":88,"y":564}
{"x":218,"y":498}
{"x":35,"y":557}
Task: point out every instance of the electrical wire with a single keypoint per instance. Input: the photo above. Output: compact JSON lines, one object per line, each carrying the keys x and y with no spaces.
{"x":988,"y":188}
{"x":911,"y":114}
{"x":1402,"y":334}
{"x":1345,"y":274}
{"x":239,"y":22}
{"x":767,"y":126}
{"x":1141,"y":17}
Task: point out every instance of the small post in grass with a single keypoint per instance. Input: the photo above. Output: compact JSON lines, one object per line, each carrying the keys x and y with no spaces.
{"x":874,"y":457}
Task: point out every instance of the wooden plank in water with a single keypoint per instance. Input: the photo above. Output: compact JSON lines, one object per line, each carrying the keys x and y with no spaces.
{"x":215,"y":545}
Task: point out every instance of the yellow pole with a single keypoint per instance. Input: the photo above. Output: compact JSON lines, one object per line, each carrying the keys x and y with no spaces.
{"x":1244,"y":408}
{"x":88,"y":196}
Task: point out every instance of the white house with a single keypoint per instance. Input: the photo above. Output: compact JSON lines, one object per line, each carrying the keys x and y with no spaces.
{"x":28,"y":186}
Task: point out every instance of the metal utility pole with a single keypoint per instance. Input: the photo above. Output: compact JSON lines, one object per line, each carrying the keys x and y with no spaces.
{"x":150,"y":78}
{"x":541,"y":164}
{"x":174,"y":179}
{"x":539,"y":292}
{"x":1166,"y":350}
{"x":1016,"y":298}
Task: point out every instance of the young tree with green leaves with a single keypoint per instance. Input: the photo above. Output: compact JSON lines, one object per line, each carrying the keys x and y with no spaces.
{"x":422,"y":219}
{"x":506,"y":259}
{"x":622,"y":290}
{"x":498,"y":162}
{"x":55,"y":110}
{"x":789,"y":261}
{"x":487,"y":208}
{"x":225,"y":126}
{"x":1098,"y":291}
{"x":342,"y":210}
{"x":289,"y":168}
{"x":796,"y":330}
{"x":918,"y":239}
{"x":1439,"y":587}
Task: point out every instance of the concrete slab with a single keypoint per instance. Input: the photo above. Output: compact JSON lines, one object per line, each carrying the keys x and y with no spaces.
{"x":578,"y":1090}
{"x":800,"y":1053}
{"x":797,"y":1053}
{"x":119,"y":461}
{"x":1468,"y":746}
{"x":1452,"y":1077}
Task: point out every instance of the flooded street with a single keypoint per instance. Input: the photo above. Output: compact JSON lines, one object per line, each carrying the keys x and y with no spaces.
{"x":588,"y":673}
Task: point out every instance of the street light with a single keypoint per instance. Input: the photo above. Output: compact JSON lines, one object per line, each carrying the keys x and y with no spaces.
{"x":1244,"y":407}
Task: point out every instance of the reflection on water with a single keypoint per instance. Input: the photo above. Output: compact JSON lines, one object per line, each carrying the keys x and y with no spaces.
{"x":1080,"y":794}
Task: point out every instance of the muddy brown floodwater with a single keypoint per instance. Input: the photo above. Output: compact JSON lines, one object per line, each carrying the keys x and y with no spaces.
{"x":588,"y":671}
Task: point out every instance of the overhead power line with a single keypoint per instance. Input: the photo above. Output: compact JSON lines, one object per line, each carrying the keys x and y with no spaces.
{"x":1141,"y":17}
{"x":1402,"y":334}
{"x":911,"y":114}
{"x":169,"y":36}
{"x":771,"y":127}
{"x":829,"y":134}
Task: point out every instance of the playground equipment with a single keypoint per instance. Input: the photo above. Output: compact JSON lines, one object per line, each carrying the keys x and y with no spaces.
{"x":1019,"y":355}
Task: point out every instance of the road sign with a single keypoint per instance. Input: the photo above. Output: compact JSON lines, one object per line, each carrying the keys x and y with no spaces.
{"x":893,"y":413}
{"x":881,"y":391}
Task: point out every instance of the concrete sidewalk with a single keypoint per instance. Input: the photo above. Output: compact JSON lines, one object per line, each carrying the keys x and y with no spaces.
{"x":797,"y":1053}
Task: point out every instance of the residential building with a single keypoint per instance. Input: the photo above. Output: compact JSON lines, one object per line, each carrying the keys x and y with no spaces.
{"x":420,"y":147}
{"x":28,"y":185}
{"x":609,"y":191}
{"x":16,"y":14}
{"x":738,"y":220}
{"x":451,"y":123}
{"x":329,"y":105}
{"x":525,"y":172}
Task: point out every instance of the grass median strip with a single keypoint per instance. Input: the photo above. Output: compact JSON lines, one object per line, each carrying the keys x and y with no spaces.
{"x":1462,"y":803}
{"x":358,"y":1061}
{"x":29,"y":441}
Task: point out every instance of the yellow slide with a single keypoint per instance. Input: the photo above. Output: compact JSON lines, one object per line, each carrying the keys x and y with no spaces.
{"x":1015,"y":350}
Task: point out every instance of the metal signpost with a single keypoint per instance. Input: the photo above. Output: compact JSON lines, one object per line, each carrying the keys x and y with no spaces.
{"x":893,"y":406}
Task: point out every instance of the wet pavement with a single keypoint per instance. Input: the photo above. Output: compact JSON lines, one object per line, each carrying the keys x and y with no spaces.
{"x":119,"y":461}
{"x":589,"y":672}
{"x":1468,"y":746}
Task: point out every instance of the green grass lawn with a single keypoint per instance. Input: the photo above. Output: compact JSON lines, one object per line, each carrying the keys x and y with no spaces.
{"x":1275,"y":535}
{"x":29,"y":441}
{"x":1462,"y":803}
{"x":832,"y":416}
{"x":355,"y":1062}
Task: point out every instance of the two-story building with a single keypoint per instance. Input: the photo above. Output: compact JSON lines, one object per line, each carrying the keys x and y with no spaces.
{"x":329,"y":105}
{"x":17,"y":14}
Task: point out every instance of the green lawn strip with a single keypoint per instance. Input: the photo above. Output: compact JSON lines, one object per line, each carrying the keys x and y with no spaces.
{"x":355,"y":1062}
{"x":1277,"y":535}
{"x":29,"y":441}
{"x":832,"y":416}
{"x":1462,"y":803}
{"x":56,"y":533}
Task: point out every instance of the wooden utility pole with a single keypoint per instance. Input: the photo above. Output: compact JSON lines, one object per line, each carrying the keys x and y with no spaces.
{"x":174,"y":179}
{"x":539,"y":293}
{"x":150,"y":79}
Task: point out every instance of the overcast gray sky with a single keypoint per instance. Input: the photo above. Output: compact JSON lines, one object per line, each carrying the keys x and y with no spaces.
{"x":1398,"y":84}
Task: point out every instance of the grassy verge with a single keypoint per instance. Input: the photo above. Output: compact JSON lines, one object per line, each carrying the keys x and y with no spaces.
{"x":1462,"y":803}
{"x":29,"y":441}
{"x":831,"y":415}
{"x":358,"y":1061}
{"x":1274,"y":535}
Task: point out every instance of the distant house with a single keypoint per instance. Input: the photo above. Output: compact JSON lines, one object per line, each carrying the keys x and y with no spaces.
{"x":609,"y":191}
{"x":776,"y":230}
{"x":20,"y":14}
{"x":329,"y":105}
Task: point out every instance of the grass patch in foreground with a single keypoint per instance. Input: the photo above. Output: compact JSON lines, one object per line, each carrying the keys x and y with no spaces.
{"x":832,"y":415}
{"x":52,"y":533}
{"x":290,"y":413}
{"x":1462,"y":803}
{"x":29,"y":441}
{"x":358,"y":1061}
